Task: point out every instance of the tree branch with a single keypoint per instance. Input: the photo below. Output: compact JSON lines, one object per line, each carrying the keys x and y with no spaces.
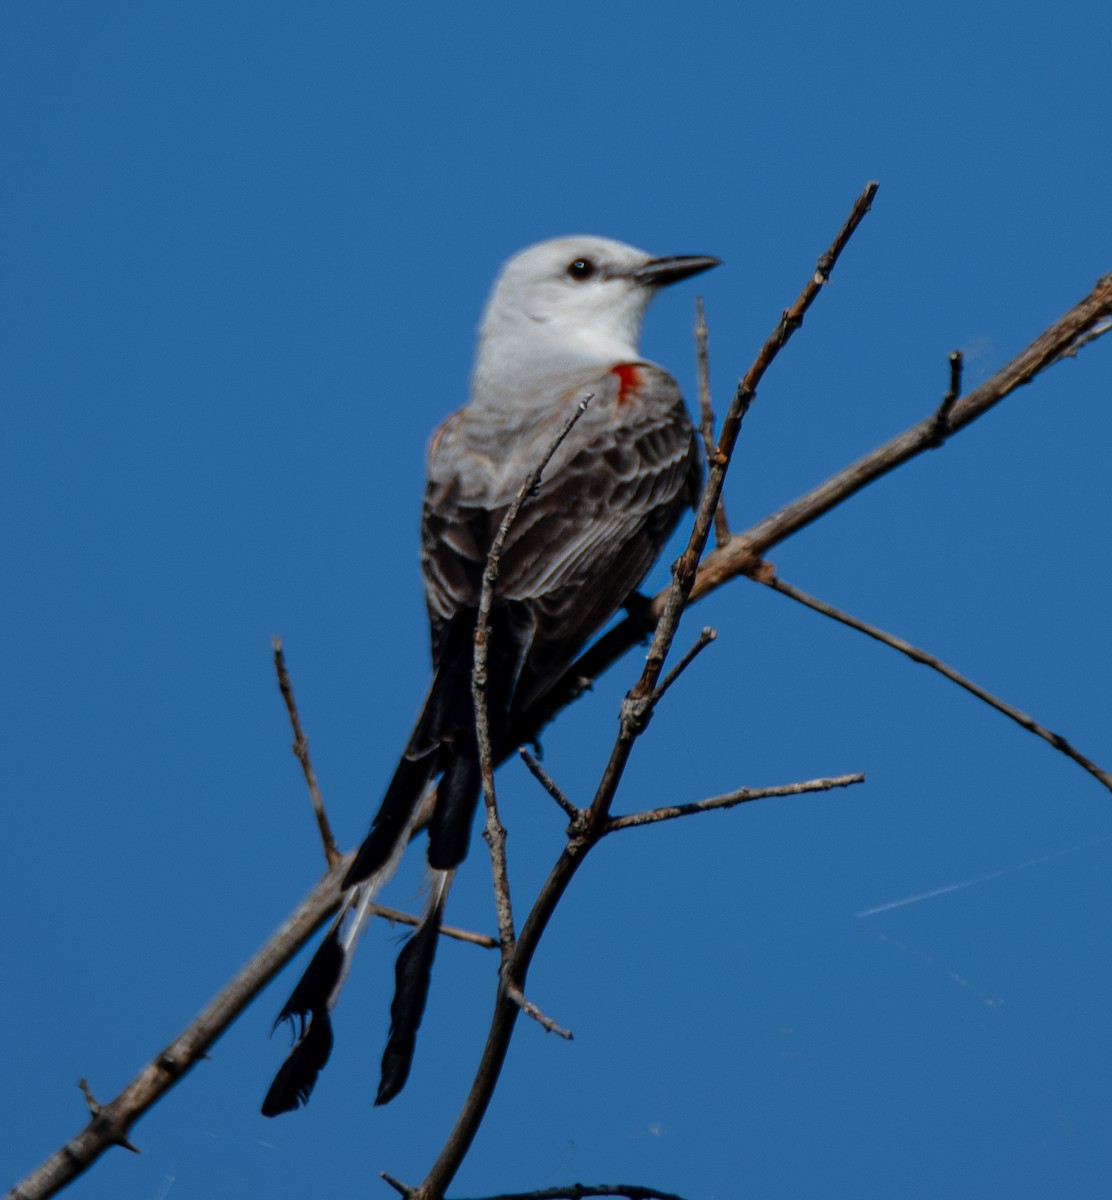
{"x":549,"y":784}
{"x":729,"y":800}
{"x":531,"y":1010}
{"x":301,"y":752}
{"x":110,"y":1123}
{"x":769,"y":579}
{"x":942,"y":416}
{"x":1086,"y":321}
{"x":581,"y":1191}
{"x":706,"y":411}
{"x":636,"y":708}
{"x":740,"y":554}
{"x":494,"y":833}
{"x":706,"y":636}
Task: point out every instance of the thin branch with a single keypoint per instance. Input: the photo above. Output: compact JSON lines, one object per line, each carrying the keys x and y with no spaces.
{"x":1087,"y":320}
{"x":581,"y":1191}
{"x":929,"y":660}
{"x":706,"y":411}
{"x":706,"y":636}
{"x":531,"y":1010}
{"x":109,"y":1125}
{"x":638,"y":704}
{"x":1059,"y":341}
{"x":636,"y":707}
{"x":301,"y":751}
{"x":91,"y":1102}
{"x":114,"y":1119}
{"x":549,"y":784}
{"x":729,"y":800}
{"x":494,"y":832}
{"x":942,"y":416}
{"x":450,"y":931}
{"x":399,"y":1187}
{"x":1082,"y":324}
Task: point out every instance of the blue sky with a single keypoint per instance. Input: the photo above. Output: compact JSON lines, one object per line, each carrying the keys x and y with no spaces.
{"x":245,"y":248}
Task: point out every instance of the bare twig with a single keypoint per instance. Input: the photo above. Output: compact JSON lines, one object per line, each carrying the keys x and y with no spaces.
{"x":1088,"y":319}
{"x":706,"y":636}
{"x":706,"y":411}
{"x":1059,"y":341}
{"x":301,"y":751}
{"x":115,"y":1118}
{"x":729,"y":800}
{"x":635,"y":710}
{"x":399,"y":1187}
{"x":638,"y":704}
{"x":582,"y":1191}
{"x":942,"y":416}
{"x":531,"y":1010}
{"x":91,"y":1102}
{"x":109,"y":1125}
{"x":494,"y":832}
{"x":928,"y":660}
{"x":450,"y":931}
{"x":549,"y":784}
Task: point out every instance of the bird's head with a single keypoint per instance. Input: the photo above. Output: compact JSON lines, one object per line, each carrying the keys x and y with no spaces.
{"x":575,"y":299}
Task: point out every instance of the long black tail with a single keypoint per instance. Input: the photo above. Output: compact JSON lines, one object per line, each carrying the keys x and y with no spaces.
{"x":412,"y":973}
{"x":443,"y":743}
{"x":308,"y":1012}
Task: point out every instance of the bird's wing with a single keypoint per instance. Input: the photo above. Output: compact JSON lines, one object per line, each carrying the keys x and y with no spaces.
{"x":582,"y":544}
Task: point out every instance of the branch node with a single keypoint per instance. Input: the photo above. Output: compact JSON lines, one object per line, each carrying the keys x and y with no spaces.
{"x":762,"y":571}
{"x":637,"y":711}
{"x":106,"y":1123}
{"x":169,"y":1063}
{"x":942,"y":426}
{"x":90,"y":1102}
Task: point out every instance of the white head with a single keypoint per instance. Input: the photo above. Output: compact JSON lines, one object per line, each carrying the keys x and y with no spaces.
{"x":571,"y":302}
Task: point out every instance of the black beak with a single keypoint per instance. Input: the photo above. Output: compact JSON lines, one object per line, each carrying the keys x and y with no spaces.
{"x":659,"y":272}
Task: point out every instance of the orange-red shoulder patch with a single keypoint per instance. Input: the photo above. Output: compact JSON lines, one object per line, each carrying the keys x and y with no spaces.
{"x":629,"y":380}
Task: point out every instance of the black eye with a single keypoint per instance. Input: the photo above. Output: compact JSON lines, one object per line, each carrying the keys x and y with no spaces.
{"x":581,"y":268}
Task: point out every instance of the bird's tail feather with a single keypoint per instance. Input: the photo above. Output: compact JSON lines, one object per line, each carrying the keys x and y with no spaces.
{"x":297,"y":1076}
{"x":510,"y":635}
{"x":411,"y":989}
{"x":443,"y":742}
{"x":446,"y":722}
{"x":390,"y":828}
{"x":310,"y":1004}
{"x":457,"y":796}
{"x":307,"y":1011}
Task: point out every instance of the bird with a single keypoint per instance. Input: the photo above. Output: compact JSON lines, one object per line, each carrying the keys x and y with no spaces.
{"x":560,"y":328}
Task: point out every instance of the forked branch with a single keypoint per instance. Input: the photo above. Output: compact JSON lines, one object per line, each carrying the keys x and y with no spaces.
{"x":636,"y":710}
{"x":739,"y":554}
{"x":1086,"y":321}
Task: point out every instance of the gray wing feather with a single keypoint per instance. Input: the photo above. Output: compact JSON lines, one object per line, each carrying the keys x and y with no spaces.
{"x":608,"y":500}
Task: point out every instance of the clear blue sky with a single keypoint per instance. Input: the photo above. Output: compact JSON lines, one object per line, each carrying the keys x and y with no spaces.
{"x":244,"y":250}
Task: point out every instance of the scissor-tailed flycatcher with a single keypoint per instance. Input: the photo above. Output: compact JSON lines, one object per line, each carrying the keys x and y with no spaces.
{"x":562,"y":323}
